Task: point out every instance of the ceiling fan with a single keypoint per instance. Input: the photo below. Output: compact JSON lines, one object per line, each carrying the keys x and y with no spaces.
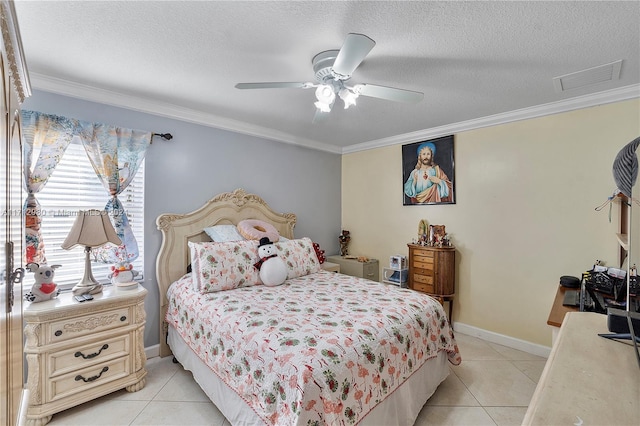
{"x":333,"y":68}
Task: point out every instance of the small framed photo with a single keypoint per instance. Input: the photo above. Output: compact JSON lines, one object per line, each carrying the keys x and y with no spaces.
{"x":436,"y":234}
{"x":428,"y":172}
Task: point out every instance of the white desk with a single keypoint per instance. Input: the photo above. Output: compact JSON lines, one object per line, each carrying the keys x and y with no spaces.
{"x":587,"y":376}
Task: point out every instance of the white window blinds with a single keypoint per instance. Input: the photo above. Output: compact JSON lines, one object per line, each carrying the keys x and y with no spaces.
{"x":74,"y":186}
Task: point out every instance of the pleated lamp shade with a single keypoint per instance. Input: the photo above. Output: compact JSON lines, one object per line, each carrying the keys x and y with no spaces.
{"x":92,"y":228}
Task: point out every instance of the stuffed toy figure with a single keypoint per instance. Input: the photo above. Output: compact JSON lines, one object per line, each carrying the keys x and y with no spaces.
{"x":44,"y":288}
{"x":122,"y":274}
{"x":273,"y":270}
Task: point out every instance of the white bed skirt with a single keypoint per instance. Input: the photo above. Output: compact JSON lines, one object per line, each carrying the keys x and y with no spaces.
{"x":400,"y":408}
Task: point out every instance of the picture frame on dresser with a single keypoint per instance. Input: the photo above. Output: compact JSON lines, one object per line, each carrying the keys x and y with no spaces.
{"x":428,"y":172}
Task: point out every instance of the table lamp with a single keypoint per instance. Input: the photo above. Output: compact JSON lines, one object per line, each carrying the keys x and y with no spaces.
{"x":92,"y":228}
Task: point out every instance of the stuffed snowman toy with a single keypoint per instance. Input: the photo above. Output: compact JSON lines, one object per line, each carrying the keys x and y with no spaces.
{"x":273,"y":270}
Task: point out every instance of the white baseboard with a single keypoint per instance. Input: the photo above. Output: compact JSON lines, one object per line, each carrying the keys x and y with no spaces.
{"x":152,"y":351}
{"x":501,"y":339}
{"x":510,"y":342}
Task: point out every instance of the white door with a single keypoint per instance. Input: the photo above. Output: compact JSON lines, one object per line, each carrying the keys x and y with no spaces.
{"x":11,"y":272}
{"x":14,"y":88}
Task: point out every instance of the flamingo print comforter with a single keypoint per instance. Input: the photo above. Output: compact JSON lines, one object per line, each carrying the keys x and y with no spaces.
{"x":324,"y":348}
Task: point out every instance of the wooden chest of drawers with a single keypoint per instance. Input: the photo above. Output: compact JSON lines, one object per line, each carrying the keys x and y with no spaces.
{"x":432,"y":271}
{"x":369,"y":270}
{"x":79,"y":351}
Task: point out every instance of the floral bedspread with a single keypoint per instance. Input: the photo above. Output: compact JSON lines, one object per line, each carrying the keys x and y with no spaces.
{"x":324,"y":348}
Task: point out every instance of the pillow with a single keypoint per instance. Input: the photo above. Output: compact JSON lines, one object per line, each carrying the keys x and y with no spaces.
{"x":224,"y":266}
{"x":299,"y":256}
{"x":223,"y":233}
{"x":254,"y":229}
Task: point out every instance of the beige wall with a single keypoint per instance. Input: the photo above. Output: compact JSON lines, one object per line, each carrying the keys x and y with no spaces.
{"x":525,"y":212}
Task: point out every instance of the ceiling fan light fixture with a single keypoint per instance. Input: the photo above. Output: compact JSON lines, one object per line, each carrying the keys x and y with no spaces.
{"x":325,"y":93}
{"x":348,"y":97}
{"x":323,"y":107}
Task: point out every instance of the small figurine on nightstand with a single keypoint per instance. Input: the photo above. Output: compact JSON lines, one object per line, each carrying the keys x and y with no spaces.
{"x":123,"y":275}
{"x":344,"y":239}
{"x":44,"y":288}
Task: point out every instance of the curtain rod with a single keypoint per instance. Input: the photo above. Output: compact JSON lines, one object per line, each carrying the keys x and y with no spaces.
{"x":165,"y":136}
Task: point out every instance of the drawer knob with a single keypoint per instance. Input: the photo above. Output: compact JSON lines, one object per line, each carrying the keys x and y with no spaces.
{"x":58,"y":333}
{"x":92,"y":378}
{"x":123,"y":318}
{"x":93,"y":355}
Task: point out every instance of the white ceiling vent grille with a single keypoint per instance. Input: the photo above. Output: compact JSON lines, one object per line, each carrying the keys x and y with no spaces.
{"x":599,"y":74}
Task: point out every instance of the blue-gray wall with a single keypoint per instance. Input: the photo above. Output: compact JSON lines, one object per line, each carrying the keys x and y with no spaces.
{"x":200,"y":162}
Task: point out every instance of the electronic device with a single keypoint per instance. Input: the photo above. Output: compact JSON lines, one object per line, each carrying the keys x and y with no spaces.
{"x":398,"y":262}
{"x":569,"y":281}
{"x":616,"y":319}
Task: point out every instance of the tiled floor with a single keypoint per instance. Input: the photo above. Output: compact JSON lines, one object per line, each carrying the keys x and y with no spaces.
{"x":492,"y":386}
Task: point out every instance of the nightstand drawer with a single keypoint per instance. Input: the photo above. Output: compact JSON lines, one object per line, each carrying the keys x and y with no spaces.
{"x":88,"y":324}
{"x":79,"y":357}
{"x":88,"y":378}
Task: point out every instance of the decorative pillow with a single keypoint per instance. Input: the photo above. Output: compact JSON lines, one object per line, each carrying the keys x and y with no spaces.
{"x":223,"y":233}
{"x":254,"y":229}
{"x":224,"y":266}
{"x":299,"y":256}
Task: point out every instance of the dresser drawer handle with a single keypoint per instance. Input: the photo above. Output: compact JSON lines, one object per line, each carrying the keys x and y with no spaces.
{"x":123,"y":318}
{"x":58,"y":333}
{"x":91,"y":379}
{"x":80,"y":354}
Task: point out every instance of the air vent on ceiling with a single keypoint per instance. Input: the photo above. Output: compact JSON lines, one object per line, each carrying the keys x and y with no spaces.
{"x":599,"y":74}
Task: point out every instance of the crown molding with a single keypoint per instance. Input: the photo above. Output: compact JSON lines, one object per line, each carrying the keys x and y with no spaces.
{"x":89,"y":93}
{"x":12,"y":43}
{"x":586,"y":101}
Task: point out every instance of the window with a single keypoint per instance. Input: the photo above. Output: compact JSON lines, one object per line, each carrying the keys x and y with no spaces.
{"x":74,"y":186}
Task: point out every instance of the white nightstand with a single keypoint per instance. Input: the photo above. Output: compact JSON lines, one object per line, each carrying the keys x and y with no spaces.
{"x":77,"y":352}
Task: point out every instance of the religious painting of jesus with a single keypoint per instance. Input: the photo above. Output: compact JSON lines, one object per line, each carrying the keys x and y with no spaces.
{"x":428,"y":172}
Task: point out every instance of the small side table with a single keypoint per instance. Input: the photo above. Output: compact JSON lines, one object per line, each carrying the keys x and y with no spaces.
{"x":79,"y":351}
{"x":330,"y":266}
{"x":351,"y":266}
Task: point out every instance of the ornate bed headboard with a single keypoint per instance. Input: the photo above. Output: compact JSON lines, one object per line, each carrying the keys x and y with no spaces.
{"x":178,"y":229}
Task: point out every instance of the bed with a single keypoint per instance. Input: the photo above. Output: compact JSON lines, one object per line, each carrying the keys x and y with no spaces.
{"x":322,"y":348}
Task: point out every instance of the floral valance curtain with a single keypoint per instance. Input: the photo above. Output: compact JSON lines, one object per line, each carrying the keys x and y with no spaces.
{"x":45,"y":139}
{"x":115,"y":153}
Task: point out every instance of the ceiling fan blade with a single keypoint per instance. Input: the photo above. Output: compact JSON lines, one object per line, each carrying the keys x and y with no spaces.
{"x":352,"y":53}
{"x":274,"y":85}
{"x":389,"y":93}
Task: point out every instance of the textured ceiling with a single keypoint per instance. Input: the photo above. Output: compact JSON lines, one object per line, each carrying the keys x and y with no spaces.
{"x":472,"y":60}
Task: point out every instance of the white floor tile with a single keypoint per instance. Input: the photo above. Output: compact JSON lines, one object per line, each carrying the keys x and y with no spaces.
{"x":159,"y":372}
{"x":496,"y":383}
{"x":452,"y":392}
{"x":181,"y":387}
{"x":101,"y":411}
{"x":163,"y":413}
{"x":451,"y":416}
{"x":514,"y":354}
{"x":533,"y":369}
{"x":472,"y":348}
{"x":507,"y":416}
